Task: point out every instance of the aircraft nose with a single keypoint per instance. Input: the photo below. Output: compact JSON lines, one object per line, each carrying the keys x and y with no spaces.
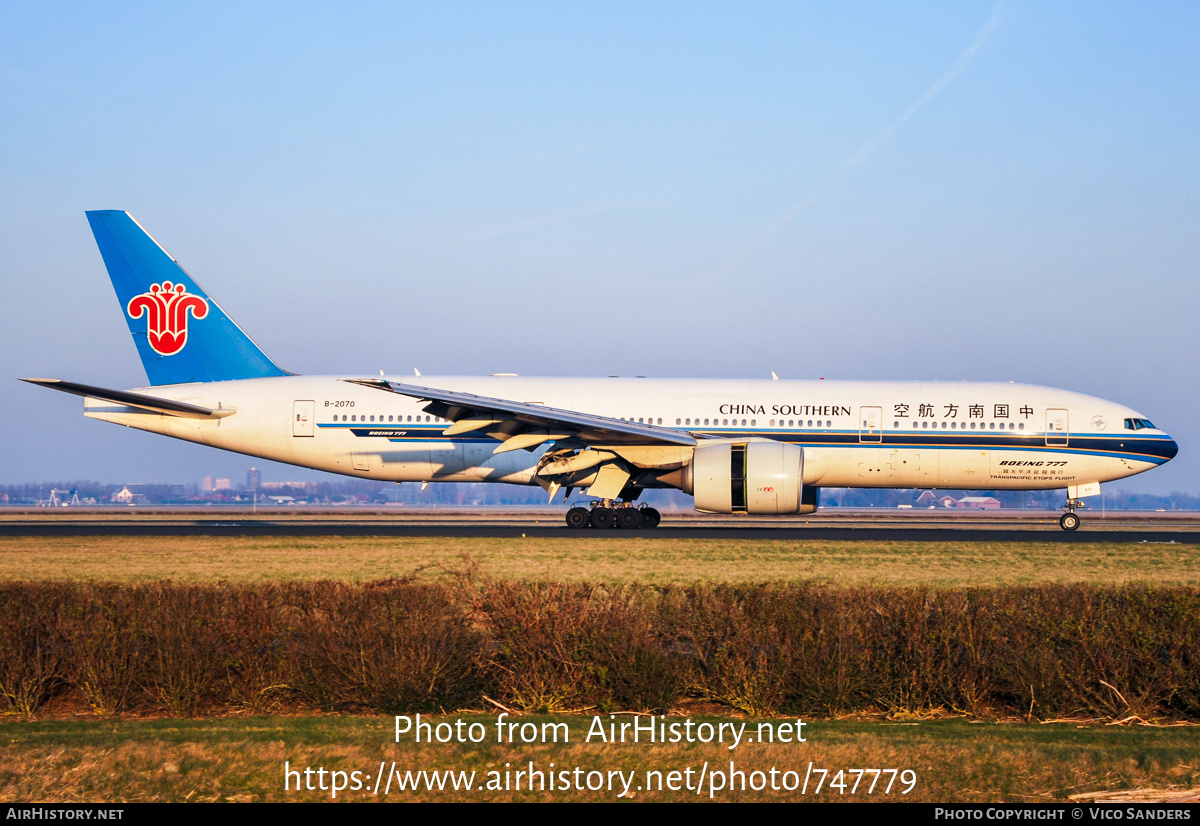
{"x":1171,"y":449}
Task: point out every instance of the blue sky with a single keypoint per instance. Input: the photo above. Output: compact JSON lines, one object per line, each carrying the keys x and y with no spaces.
{"x":874,"y":190}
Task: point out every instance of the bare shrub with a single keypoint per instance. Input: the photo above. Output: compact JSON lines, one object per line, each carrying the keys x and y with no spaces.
{"x":928,"y":650}
{"x":102,"y":631}
{"x":390,"y":646}
{"x":633,"y":656}
{"x":401,"y":645}
{"x":538,"y":638}
{"x":31,"y":668}
{"x":252,"y":673}
{"x":185,"y":644}
{"x":742,"y":642}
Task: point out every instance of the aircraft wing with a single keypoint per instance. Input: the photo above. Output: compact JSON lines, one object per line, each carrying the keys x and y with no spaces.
{"x":167,"y":407}
{"x":523,"y":425}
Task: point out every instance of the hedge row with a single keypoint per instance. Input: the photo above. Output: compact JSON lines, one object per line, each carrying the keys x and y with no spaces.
{"x":405,"y":646}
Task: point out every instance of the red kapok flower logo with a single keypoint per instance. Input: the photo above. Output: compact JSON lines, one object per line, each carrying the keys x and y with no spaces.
{"x":166,"y":308}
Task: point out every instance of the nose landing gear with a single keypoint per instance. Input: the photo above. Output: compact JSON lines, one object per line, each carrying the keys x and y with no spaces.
{"x":608,"y":513}
{"x":1069,"y":521}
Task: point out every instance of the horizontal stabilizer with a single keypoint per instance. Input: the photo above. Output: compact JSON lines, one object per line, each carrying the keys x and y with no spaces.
{"x":167,"y":407}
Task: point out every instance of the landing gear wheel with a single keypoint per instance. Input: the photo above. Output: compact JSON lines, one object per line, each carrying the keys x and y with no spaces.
{"x":650,"y":518}
{"x":577,"y":518}
{"x":1068,"y":521}
{"x":603,"y":518}
{"x":629,"y":519}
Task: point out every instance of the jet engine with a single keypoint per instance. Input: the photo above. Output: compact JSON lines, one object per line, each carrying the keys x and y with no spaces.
{"x":749,"y":477}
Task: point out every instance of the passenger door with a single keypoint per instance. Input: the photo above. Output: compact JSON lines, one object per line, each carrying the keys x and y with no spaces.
{"x":303,"y":413}
{"x":1057,"y":428}
{"x":871,"y":430}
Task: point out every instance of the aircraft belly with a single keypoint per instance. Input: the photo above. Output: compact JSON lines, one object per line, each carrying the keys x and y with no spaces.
{"x":879,"y":467}
{"x":394,"y":461}
{"x":966,"y":468}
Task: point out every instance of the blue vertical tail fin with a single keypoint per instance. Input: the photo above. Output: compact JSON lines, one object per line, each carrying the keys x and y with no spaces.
{"x":181,"y":334}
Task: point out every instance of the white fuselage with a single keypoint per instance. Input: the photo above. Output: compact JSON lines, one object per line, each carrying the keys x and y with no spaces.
{"x":968,"y":435}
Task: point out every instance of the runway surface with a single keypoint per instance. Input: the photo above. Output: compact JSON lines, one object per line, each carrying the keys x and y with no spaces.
{"x":546,"y":524}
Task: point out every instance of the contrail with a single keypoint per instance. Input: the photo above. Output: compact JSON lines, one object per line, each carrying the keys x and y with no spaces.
{"x":960,"y":66}
{"x":956,"y":71}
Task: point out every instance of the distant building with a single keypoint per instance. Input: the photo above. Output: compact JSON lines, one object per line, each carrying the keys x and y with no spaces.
{"x":929,"y":499}
{"x":983,"y":503}
{"x":253,"y":479}
{"x":206,"y":484}
{"x":307,"y":487}
{"x":127,"y":497}
{"x":222,"y":484}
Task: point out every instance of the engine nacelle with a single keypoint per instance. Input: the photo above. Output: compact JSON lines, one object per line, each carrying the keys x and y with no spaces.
{"x":749,"y":477}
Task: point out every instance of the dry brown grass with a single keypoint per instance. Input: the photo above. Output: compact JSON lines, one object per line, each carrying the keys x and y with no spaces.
{"x":242,"y":760}
{"x":613,"y":560}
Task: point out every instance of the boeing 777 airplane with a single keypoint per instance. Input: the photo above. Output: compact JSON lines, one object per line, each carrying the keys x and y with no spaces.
{"x":736,"y":446}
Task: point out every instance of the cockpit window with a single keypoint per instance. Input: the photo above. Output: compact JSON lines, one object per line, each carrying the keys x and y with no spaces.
{"x":1139,"y":424}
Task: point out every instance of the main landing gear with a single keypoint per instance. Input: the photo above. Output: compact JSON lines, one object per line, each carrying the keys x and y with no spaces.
{"x":1069,"y":521}
{"x":608,"y":513}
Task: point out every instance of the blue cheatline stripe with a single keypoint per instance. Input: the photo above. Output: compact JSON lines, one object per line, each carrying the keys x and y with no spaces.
{"x":842,"y":438}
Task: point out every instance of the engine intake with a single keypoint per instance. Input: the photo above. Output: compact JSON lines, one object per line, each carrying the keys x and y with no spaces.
{"x":749,"y":477}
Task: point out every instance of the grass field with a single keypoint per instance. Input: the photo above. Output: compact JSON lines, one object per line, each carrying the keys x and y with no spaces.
{"x":243,"y":760}
{"x":82,"y":758}
{"x":636,"y":559}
